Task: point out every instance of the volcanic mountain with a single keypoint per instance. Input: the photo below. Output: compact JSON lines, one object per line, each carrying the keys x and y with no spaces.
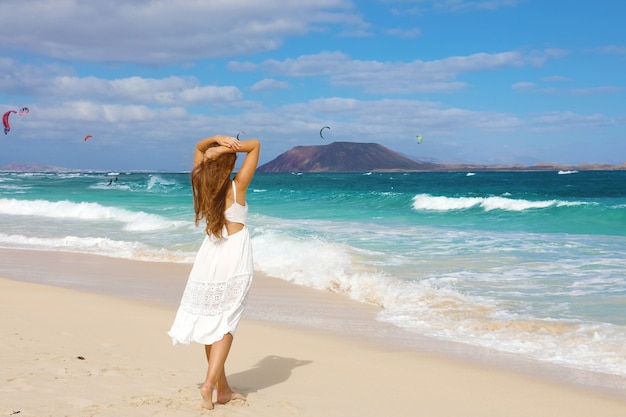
{"x":343,"y":157}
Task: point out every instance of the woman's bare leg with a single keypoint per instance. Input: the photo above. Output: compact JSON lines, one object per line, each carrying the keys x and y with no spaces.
{"x":216,"y":376}
{"x":205,"y":391}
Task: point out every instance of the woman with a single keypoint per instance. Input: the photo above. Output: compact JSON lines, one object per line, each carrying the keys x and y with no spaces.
{"x":218,"y":283}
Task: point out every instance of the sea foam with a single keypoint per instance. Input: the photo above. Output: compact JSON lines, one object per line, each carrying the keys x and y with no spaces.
{"x":133,"y":220}
{"x":96,"y":246}
{"x":441,"y":203}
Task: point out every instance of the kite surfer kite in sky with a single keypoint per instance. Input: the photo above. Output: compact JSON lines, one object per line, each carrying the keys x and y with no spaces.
{"x":5,"y":121}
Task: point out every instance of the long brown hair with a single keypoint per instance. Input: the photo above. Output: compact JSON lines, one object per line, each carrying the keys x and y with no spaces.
{"x":209,"y":182}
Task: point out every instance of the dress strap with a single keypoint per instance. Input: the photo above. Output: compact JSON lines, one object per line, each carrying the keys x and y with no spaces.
{"x":234,"y":191}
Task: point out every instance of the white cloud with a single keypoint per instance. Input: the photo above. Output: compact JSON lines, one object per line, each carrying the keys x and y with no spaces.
{"x":395,"y":117}
{"x":613,"y":49}
{"x":270,"y":84}
{"x":56,"y":83}
{"x":597,"y":90}
{"x":404,"y":33}
{"x":555,"y":78}
{"x":396,"y":77}
{"x":551,"y":121}
{"x":162,"y":31}
{"x":106,"y":113}
{"x":456,"y":5}
{"x":523,"y":85}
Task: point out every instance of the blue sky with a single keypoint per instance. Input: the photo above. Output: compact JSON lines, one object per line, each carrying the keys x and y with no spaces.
{"x":484,"y":81}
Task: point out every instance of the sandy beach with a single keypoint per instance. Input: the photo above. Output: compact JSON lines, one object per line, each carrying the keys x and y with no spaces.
{"x":86,"y":336}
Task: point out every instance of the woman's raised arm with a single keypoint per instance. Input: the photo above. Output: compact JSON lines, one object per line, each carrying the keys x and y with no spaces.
{"x":252,"y":148}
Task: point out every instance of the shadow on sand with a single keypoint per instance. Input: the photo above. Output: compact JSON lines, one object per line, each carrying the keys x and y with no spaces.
{"x":269,"y":371}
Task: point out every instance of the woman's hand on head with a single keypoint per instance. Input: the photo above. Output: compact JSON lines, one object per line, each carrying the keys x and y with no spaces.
{"x":228,"y":141}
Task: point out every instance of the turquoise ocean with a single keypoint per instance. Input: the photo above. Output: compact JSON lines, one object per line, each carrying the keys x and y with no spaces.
{"x":530,"y":263}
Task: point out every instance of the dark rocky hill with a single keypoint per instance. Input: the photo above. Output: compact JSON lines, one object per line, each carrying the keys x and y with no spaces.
{"x":344,"y":157}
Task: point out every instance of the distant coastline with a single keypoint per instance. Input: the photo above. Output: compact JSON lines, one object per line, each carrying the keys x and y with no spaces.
{"x":33,"y":167}
{"x":543,"y":166}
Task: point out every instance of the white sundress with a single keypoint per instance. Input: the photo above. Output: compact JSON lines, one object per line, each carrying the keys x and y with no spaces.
{"x":215,"y":293}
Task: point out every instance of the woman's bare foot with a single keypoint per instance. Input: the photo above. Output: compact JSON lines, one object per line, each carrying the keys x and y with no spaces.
{"x":207,"y":397}
{"x":224,"y":397}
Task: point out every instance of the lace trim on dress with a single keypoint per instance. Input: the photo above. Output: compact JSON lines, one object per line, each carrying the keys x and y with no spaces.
{"x":214,"y":298}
